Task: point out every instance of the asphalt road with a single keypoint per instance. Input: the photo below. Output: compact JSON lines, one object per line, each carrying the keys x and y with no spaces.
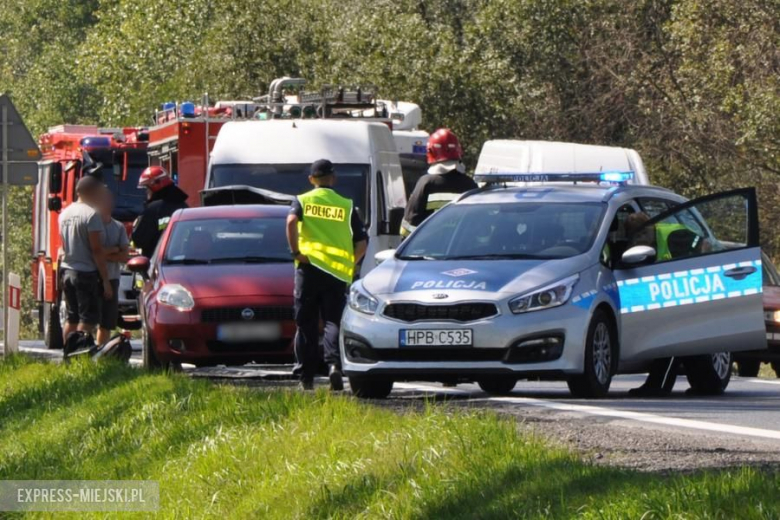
{"x":679,"y":432}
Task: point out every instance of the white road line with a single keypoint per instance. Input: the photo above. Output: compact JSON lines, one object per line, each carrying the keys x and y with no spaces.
{"x":619,"y":414}
{"x":759,"y":380}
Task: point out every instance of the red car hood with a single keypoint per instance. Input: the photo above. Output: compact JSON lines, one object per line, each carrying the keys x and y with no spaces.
{"x":771,"y":297}
{"x":234,"y":280}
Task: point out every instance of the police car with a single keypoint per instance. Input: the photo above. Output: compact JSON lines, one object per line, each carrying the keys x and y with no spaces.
{"x":578,"y":281}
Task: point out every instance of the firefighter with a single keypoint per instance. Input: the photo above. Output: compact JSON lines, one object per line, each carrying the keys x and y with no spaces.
{"x":163,"y":198}
{"x":445,"y":181}
{"x":327,"y":240}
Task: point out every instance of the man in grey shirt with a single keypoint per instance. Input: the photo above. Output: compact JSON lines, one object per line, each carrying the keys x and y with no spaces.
{"x":116,"y":246}
{"x":85,"y":280}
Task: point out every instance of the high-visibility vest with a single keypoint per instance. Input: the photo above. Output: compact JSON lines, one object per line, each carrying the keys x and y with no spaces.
{"x":662,"y":232}
{"x":325,"y":232}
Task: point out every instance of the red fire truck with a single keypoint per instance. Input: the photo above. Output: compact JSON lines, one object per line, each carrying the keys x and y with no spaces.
{"x":119,"y":154}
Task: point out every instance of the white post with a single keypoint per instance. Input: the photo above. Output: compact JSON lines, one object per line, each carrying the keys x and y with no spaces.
{"x":14,"y":309}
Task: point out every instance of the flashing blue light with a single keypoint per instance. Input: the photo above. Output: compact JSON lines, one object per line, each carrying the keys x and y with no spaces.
{"x":170,"y":105}
{"x":501,"y":177}
{"x":95,"y":142}
{"x":617,"y":176}
{"x":187,"y":109}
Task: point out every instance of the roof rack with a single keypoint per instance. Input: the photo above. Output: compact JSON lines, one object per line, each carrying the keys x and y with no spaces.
{"x":618,"y":178}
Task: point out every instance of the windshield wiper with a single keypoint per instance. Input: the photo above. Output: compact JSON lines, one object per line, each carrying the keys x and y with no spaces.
{"x":251,"y":260}
{"x":417,"y":257}
{"x":497,"y":256}
{"x":186,"y":261}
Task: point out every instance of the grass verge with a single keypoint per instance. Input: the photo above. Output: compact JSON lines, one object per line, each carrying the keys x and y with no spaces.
{"x":245,"y":453}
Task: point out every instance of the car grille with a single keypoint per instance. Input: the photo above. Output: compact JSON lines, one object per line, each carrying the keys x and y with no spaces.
{"x":232,"y":314}
{"x":443,"y":355}
{"x":462,"y":312}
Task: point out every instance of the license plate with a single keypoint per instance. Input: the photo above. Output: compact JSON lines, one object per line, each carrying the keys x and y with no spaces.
{"x":241,"y":332}
{"x":436,"y":338}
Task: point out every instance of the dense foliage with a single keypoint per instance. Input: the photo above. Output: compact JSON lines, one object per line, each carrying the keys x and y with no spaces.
{"x":694,"y":85}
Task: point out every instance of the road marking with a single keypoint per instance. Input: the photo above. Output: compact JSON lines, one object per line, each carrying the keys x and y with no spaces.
{"x":759,"y":380}
{"x":608,"y":412}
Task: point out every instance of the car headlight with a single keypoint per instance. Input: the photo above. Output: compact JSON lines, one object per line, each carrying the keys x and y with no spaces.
{"x":545,"y":298}
{"x":175,"y":295}
{"x":360,"y":300}
{"x":772,"y":316}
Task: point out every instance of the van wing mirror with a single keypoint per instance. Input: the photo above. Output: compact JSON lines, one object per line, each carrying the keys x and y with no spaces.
{"x":393,"y":225}
{"x":55,"y":178}
{"x":638,"y":255}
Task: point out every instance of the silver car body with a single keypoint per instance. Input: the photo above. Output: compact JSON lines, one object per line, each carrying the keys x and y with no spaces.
{"x":674,"y":308}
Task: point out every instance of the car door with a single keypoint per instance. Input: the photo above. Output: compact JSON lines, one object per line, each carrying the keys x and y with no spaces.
{"x":701,"y":294}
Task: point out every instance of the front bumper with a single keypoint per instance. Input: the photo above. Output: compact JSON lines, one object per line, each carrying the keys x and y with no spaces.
{"x":547,"y":342}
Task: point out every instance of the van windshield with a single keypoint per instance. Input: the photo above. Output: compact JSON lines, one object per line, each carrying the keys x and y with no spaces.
{"x":128,"y":199}
{"x":292,"y":179}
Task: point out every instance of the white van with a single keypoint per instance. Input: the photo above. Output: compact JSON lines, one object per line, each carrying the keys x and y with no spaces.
{"x":268,"y":161}
{"x":550,"y":157}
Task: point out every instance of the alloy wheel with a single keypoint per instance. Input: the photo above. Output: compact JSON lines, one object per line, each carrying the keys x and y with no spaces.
{"x":602,"y":353}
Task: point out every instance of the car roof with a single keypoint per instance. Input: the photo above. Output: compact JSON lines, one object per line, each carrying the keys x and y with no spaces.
{"x":564,"y":193}
{"x":237,"y":211}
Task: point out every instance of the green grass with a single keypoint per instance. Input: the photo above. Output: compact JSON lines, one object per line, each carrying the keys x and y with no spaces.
{"x":230,"y":452}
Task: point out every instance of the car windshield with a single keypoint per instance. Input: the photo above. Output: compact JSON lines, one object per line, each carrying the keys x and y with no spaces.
{"x":223,"y":240}
{"x":495,"y":231}
{"x":292,"y":179}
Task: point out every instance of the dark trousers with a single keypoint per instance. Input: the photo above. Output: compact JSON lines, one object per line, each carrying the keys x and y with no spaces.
{"x":318,"y":295}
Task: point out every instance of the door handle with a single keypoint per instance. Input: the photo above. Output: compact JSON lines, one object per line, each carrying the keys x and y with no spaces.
{"x":739,"y":273}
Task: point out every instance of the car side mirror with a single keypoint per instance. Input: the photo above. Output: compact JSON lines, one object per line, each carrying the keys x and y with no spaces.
{"x":638,"y":255}
{"x":381,"y":256}
{"x":54,"y":204}
{"x":393,"y":225}
{"x":55,"y":178}
{"x":139,"y":265}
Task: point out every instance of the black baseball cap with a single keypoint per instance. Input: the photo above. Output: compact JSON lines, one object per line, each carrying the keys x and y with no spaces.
{"x":322,"y":168}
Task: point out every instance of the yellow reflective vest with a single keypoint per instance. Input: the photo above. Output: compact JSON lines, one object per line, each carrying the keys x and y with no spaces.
{"x":325,"y":232}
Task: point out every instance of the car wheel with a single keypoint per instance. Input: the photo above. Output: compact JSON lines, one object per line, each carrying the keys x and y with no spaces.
{"x":370,"y":388}
{"x":600,"y":351}
{"x":708,"y":374}
{"x":148,"y":355}
{"x":497,"y":386}
{"x":748,"y":368}
{"x":52,"y":328}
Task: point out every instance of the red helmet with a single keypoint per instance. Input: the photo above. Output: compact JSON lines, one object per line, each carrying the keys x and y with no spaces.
{"x":155,"y":178}
{"x":443,"y":145}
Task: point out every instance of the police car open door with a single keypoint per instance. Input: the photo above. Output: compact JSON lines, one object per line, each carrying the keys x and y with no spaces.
{"x":700,"y":292}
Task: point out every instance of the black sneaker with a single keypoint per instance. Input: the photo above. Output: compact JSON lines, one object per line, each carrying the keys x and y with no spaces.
{"x":336,"y":378}
{"x":306,"y":384}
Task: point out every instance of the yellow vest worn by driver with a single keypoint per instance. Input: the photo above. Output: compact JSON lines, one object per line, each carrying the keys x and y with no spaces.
{"x":325,"y":232}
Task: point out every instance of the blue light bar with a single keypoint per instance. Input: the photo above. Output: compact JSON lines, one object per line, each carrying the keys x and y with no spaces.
{"x":95,"y":142}
{"x":187,"y":109}
{"x":502,"y":177}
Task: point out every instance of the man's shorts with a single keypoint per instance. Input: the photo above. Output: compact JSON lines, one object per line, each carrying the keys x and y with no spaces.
{"x":83,"y":296}
{"x":109,"y":314}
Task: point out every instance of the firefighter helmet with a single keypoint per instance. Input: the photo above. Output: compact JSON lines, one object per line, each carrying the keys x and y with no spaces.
{"x":443,"y":145}
{"x":155,"y":178}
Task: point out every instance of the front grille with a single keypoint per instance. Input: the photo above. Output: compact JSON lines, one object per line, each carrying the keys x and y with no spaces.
{"x":462,"y":312}
{"x":281,"y":346}
{"x":233,"y":314}
{"x":439,"y":354}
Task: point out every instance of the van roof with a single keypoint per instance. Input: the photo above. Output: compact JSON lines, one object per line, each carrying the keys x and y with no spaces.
{"x":299,"y":141}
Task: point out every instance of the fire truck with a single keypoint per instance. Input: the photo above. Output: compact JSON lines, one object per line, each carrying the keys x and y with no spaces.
{"x":69,"y":151}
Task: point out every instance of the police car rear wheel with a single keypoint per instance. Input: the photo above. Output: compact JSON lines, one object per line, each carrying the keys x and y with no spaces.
{"x":370,"y":388}
{"x":599,"y":355}
{"x":497,"y":386}
{"x":708,"y":374}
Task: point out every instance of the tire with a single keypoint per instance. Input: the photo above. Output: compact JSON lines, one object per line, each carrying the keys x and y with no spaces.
{"x":149,"y":358}
{"x":600,"y":359}
{"x":370,"y":388}
{"x":498,"y":386}
{"x":748,"y":368}
{"x":708,"y":374}
{"x":52,"y":328}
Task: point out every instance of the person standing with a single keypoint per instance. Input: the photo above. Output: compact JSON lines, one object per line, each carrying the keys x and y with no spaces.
{"x":116,"y":248}
{"x":85,"y":280}
{"x":163,"y":199}
{"x":445,"y":181}
{"x":327,"y":240}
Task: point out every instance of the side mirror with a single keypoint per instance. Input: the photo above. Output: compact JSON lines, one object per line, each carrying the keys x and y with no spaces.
{"x":139,"y":265}
{"x":392,"y":226}
{"x":55,"y":179}
{"x":381,"y":256}
{"x":54,"y":204}
{"x":638,"y":255}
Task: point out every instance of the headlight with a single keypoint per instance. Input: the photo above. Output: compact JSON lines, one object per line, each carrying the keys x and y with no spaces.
{"x":175,"y":295}
{"x":545,"y":298}
{"x":360,"y":300}
{"x":772,"y":316}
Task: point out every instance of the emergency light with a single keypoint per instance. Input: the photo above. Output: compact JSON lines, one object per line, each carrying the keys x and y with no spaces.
{"x":502,"y":177}
{"x":93,"y":143}
{"x":187,"y":109}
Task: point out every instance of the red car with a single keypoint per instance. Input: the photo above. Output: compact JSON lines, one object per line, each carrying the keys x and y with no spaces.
{"x":749,"y":363}
{"x":219,"y":289}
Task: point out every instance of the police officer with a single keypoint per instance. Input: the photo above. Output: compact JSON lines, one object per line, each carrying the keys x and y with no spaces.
{"x":163,"y":199}
{"x":445,"y":181}
{"x":327,"y":240}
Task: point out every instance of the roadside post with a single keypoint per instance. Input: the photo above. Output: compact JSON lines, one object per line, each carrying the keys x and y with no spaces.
{"x":14,"y":308}
{"x":20,"y":154}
